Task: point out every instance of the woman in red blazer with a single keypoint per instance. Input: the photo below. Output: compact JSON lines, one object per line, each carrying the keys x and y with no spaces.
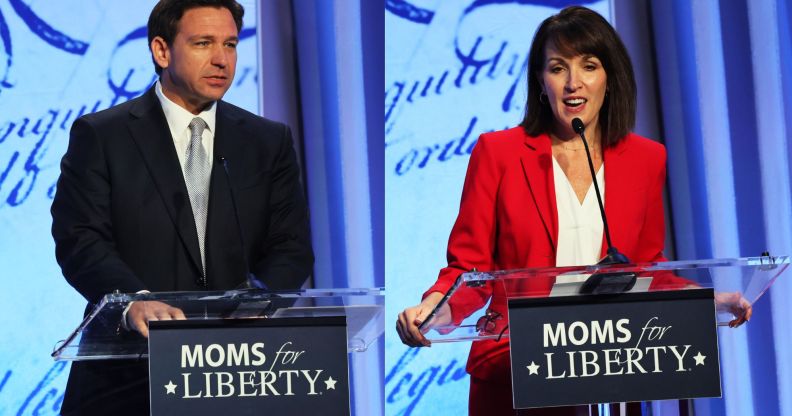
{"x":508,"y":217}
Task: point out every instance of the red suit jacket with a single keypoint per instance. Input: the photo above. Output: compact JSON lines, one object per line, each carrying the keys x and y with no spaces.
{"x":508,"y":219}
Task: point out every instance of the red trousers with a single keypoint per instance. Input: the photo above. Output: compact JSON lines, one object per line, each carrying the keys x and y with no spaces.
{"x":493,"y":396}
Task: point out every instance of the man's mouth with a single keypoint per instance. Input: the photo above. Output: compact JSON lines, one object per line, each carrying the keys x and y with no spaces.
{"x":217,"y":80}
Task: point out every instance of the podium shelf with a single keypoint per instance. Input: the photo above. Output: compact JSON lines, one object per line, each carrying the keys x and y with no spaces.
{"x":102,"y":334}
{"x":479,"y":298}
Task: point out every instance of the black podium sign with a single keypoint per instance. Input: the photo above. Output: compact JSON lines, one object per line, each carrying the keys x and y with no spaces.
{"x":614,"y":348}
{"x":249,"y":367}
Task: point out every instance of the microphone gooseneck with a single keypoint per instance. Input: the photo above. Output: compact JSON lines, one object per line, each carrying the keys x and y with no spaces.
{"x":603,"y":282}
{"x":580,"y":129}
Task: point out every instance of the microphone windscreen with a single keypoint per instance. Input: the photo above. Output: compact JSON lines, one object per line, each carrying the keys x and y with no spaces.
{"x":577,"y":125}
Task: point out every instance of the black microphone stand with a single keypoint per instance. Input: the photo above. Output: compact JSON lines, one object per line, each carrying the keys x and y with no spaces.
{"x":602,"y":283}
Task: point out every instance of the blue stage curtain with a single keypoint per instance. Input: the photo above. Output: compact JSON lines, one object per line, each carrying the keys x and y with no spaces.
{"x":724,"y":72}
{"x":329,"y":85}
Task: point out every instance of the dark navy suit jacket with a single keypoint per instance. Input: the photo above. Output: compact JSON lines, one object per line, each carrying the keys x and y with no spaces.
{"x":122,"y":218}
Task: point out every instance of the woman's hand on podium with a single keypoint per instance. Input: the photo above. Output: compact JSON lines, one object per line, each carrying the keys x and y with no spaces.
{"x":141,"y":312}
{"x":412,"y":318}
{"x":736,"y":304}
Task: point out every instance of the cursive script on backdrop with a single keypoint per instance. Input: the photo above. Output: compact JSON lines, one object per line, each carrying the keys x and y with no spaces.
{"x":31,"y":146}
{"x":59,"y":61}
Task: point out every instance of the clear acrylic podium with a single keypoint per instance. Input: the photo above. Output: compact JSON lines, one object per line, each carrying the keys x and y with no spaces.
{"x":744,"y":278}
{"x":102,"y":336}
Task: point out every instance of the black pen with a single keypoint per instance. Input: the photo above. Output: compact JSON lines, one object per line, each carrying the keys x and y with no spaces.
{"x":442,"y":302}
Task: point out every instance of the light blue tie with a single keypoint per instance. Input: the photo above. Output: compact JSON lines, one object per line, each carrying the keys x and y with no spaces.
{"x":196,"y":176}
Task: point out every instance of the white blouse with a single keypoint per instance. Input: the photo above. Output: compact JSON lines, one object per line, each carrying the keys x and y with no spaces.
{"x":579,"y":225}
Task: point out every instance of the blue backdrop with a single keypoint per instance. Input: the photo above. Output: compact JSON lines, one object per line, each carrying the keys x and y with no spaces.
{"x":714,"y":85}
{"x":59,"y":60}
{"x":321,"y":73}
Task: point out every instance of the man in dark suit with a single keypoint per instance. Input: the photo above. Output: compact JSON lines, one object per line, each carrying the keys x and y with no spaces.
{"x":144,"y":203}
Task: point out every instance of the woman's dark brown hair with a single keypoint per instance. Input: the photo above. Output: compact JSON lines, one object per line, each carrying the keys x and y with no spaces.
{"x":579,"y":31}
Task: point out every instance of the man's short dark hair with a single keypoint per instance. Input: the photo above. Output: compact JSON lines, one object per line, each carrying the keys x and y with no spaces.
{"x":165,"y":17}
{"x":579,"y":31}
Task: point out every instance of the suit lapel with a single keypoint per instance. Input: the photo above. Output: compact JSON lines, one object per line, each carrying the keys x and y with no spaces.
{"x":151,"y":134}
{"x":617,"y":191}
{"x":537,"y":164}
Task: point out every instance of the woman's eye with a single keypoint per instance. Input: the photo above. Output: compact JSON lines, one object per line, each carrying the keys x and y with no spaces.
{"x":592,"y":65}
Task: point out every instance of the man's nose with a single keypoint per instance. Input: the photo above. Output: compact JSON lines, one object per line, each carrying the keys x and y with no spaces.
{"x":220,"y":56}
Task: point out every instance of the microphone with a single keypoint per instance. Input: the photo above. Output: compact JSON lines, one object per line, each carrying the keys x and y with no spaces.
{"x":600,"y":283}
{"x":251,"y":281}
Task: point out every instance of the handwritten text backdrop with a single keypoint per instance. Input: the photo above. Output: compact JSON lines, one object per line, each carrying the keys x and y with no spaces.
{"x":59,"y":60}
{"x":453,"y":70}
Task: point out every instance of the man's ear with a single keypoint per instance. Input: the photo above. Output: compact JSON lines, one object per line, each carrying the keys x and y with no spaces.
{"x":160,"y":52}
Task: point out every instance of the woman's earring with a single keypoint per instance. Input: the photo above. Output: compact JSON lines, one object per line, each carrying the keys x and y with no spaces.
{"x":542,"y":94}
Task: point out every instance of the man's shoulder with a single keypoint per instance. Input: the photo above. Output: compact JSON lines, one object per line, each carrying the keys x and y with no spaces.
{"x":116,"y":113}
{"x":261,"y":124}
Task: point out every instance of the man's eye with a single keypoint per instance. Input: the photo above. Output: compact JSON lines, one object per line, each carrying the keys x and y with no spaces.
{"x":202,"y":43}
{"x":231,"y":45}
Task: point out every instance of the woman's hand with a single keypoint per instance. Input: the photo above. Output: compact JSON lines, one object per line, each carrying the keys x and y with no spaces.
{"x":736,"y":304}
{"x":411,"y":318}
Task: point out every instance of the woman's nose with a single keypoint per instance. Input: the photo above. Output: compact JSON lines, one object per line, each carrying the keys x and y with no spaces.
{"x":573,"y":81}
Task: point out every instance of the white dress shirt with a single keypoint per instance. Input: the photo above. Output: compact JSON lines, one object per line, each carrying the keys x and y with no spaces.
{"x":579,"y":225}
{"x":179,"y":123}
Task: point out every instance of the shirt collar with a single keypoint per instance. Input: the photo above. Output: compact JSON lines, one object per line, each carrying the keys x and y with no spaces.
{"x":179,"y":118}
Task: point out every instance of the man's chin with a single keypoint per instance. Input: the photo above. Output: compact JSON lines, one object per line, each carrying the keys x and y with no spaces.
{"x":214,"y":94}
{"x":208,"y":99}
